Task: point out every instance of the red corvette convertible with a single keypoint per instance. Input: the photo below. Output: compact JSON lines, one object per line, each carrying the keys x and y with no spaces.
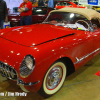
{"x":40,"y":56}
{"x":38,"y":16}
{"x":62,"y":4}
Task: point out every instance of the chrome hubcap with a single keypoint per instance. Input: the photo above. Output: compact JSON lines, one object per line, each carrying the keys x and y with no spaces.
{"x":54,"y":77}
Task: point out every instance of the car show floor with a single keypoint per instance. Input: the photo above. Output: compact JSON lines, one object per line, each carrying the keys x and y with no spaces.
{"x":81,"y":85}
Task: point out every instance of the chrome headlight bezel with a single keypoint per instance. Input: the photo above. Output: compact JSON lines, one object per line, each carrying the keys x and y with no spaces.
{"x":24,"y":70}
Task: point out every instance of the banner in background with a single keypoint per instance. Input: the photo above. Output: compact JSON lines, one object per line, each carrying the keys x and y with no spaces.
{"x":90,"y":2}
{"x":93,"y":2}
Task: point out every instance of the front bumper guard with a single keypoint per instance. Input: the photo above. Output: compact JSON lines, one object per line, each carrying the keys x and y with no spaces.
{"x":21,"y":82}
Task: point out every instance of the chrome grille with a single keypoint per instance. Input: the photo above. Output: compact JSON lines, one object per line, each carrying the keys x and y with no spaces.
{"x":8,"y":71}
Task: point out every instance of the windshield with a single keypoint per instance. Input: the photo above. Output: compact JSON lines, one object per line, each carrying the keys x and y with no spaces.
{"x":63,"y":4}
{"x":67,"y":19}
{"x":39,"y":10}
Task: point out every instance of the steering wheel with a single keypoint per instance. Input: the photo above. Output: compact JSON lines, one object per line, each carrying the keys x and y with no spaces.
{"x":82,"y":22}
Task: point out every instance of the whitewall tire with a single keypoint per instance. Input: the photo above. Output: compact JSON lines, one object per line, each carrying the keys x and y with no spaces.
{"x":53,"y":79}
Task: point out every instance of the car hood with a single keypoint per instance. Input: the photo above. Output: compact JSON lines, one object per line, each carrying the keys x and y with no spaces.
{"x":32,"y":35}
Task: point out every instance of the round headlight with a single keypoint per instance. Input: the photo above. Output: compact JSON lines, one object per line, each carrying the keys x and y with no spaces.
{"x":27,"y":66}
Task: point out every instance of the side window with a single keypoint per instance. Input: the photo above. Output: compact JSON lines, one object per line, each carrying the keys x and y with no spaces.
{"x":63,"y":4}
{"x":95,"y":23}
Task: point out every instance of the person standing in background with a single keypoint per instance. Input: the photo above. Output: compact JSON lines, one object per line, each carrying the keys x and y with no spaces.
{"x":40,"y":3}
{"x":3,"y":13}
{"x":51,"y":3}
{"x":25,"y":10}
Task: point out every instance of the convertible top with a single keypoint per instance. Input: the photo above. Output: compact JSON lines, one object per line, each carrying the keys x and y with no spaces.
{"x":88,"y":13}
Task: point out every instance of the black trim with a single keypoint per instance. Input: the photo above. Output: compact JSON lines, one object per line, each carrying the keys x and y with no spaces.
{"x":55,"y":39}
{"x":40,"y":43}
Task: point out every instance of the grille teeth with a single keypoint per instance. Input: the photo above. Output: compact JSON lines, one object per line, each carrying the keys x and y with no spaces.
{"x":12,"y":74}
{"x":0,"y":68}
{"x":5,"y":70}
{"x":8,"y":71}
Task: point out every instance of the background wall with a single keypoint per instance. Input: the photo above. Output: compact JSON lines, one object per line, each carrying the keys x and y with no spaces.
{"x":13,"y":3}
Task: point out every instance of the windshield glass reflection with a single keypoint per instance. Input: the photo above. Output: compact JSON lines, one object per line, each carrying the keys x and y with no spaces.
{"x":67,"y":19}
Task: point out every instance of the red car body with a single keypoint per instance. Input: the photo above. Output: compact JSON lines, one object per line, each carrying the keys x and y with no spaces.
{"x":47,"y":43}
{"x":67,"y":4}
{"x":37,"y":17}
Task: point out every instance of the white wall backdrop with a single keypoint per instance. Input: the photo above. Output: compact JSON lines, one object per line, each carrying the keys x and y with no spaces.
{"x":13,"y":3}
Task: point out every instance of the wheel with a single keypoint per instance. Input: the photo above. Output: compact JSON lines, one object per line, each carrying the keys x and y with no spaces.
{"x":53,"y":79}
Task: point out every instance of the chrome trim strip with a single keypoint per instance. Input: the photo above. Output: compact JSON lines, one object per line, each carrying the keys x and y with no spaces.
{"x":78,"y":60}
{"x":23,"y":88}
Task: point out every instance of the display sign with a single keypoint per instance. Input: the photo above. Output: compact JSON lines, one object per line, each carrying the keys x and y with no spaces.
{"x":6,"y":24}
{"x":90,"y":2}
{"x":93,"y":2}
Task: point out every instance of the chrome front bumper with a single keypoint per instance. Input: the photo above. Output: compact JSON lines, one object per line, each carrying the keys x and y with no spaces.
{"x":23,"y":84}
{"x":20,"y":82}
{"x":11,"y":73}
